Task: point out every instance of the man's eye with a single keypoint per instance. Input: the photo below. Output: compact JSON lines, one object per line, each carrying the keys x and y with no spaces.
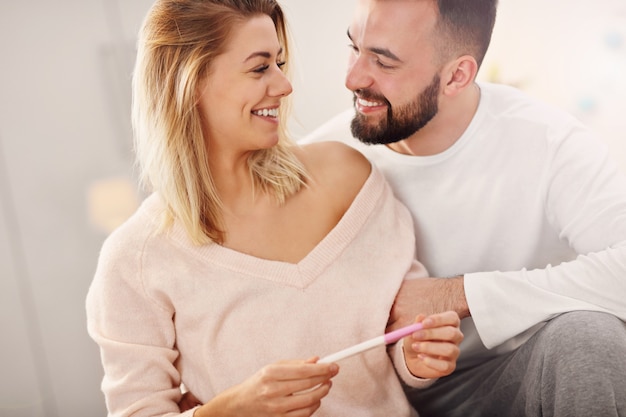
{"x":353,"y":48}
{"x":383,"y":65}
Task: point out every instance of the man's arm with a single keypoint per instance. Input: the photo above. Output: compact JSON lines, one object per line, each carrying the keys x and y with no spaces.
{"x":428,"y":296}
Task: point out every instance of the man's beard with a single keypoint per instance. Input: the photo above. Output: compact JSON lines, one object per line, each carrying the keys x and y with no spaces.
{"x":401,"y":123}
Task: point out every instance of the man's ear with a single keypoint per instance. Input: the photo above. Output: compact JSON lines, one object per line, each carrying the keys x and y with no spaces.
{"x":459,"y":74}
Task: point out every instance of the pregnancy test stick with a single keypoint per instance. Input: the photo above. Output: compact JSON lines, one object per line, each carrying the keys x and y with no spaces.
{"x":386,"y":339}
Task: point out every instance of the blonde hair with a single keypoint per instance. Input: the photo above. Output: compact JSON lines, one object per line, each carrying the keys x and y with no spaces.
{"x":178,"y":42}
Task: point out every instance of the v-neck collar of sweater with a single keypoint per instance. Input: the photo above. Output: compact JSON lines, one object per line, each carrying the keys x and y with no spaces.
{"x":304,"y":272}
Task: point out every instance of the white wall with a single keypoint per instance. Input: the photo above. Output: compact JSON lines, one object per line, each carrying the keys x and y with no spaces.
{"x":65,"y":142}
{"x":321,"y":57}
{"x":571,"y":53}
{"x":60,"y":130}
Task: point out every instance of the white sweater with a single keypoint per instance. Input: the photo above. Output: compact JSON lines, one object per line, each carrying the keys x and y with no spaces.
{"x":526,"y":204}
{"x":164,"y":311}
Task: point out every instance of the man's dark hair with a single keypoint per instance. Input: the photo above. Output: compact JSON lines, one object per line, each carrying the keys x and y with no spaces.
{"x":464,"y":27}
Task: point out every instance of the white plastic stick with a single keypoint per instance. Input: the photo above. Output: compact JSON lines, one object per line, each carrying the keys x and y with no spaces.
{"x":386,"y":339}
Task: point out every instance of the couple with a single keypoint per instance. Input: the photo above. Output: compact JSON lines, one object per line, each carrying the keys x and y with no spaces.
{"x":254,"y":256}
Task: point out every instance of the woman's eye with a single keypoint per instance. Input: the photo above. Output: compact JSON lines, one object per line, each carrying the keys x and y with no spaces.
{"x":353,"y":48}
{"x":261,"y":69}
{"x":264,"y":68}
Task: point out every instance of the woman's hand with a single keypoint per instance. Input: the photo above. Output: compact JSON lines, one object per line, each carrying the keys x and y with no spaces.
{"x":432,"y":351}
{"x":288,"y":388}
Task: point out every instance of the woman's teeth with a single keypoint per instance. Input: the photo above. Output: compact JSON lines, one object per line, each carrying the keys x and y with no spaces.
{"x":266,"y":112}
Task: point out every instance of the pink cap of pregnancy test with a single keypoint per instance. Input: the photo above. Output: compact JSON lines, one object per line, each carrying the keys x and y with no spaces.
{"x":396,"y":335}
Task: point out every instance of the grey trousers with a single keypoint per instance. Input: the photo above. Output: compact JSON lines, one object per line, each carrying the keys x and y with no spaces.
{"x":574,"y":366}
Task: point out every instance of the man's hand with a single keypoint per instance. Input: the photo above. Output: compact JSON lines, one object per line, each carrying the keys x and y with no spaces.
{"x":426,"y":296}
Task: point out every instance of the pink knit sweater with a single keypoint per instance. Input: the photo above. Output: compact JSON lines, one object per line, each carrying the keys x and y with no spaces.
{"x":166,"y":312}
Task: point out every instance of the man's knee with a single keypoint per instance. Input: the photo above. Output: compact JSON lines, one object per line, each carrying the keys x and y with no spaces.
{"x":582,"y":365}
{"x":582,"y":347}
{"x":587,"y":331}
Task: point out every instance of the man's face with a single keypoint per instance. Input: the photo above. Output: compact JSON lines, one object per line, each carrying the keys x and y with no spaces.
{"x":401,"y":121}
{"x":392,"y":71}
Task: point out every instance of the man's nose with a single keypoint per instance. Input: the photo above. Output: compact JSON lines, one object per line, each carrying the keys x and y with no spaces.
{"x":358,"y":76}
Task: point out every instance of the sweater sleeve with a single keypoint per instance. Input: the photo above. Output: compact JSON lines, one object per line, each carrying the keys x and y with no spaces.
{"x":396,"y":351}
{"x":397,"y":356}
{"x":585,"y":201}
{"x":136,"y":337}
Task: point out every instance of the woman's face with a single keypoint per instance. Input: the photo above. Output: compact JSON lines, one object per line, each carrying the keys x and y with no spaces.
{"x":239,"y":99}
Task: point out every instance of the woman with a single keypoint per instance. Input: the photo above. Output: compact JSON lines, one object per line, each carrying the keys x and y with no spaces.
{"x":251,"y":252}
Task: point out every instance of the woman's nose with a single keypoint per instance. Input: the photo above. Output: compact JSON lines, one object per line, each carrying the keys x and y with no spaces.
{"x":280,"y":85}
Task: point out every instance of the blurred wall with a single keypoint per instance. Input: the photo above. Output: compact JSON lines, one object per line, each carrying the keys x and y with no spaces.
{"x":66,"y":175}
{"x":571,"y":53}
{"x":63,"y":128}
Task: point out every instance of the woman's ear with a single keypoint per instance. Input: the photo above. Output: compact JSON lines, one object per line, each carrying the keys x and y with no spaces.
{"x":459,"y":74}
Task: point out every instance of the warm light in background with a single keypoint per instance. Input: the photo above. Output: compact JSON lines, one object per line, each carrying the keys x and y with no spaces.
{"x":570,"y":53}
{"x":110,"y":202}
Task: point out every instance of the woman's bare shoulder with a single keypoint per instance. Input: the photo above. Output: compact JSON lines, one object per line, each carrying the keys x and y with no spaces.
{"x":335,"y":159}
{"x":336,"y":166}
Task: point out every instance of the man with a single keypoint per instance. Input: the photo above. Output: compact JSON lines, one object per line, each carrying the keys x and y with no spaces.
{"x":519,"y":214}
